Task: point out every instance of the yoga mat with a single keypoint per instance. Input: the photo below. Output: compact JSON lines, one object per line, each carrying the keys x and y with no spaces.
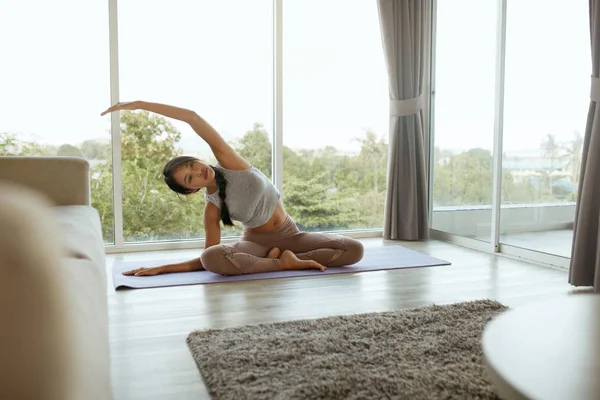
{"x":374,"y":259}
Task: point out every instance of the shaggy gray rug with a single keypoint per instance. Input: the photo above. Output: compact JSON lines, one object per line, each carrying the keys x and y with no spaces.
{"x":424,"y":353}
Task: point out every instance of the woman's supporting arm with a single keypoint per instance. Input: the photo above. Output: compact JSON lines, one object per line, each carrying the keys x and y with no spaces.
{"x":186,"y":266}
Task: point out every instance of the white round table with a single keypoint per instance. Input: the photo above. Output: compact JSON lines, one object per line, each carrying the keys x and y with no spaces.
{"x":546,"y":351}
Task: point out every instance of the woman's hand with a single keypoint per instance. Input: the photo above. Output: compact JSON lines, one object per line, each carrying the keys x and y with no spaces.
{"x":124,"y":105}
{"x":144,"y":271}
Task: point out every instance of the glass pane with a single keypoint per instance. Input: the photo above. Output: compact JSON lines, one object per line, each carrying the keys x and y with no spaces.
{"x":464,"y":117}
{"x":202,"y":56}
{"x":54,"y":85}
{"x":335,"y":115}
{"x":546,"y":106}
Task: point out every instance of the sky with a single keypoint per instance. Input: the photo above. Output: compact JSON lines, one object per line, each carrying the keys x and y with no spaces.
{"x":548,"y":65}
{"x":216,"y":57}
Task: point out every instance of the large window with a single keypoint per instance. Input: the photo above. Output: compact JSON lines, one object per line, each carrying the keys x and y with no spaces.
{"x":217,"y":58}
{"x":199,"y":55}
{"x":53,"y":86}
{"x":464,"y":117}
{"x":335,"y":98}
{"x":545,"y":101}
{"x":546,"y":104}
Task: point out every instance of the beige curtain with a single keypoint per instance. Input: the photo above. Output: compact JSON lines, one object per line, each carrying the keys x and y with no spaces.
{"x":403,"y":24}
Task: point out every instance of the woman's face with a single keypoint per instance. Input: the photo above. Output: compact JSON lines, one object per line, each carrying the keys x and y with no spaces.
{"x":194,"y":175}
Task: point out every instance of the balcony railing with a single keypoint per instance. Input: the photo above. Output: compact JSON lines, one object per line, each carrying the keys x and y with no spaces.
{"x":475,"y":220}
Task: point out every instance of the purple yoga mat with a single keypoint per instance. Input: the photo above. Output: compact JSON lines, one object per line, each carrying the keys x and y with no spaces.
{"x":374,"y":259}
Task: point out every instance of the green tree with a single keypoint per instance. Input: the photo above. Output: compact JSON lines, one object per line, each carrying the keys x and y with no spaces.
{"x":101,"y":185}
{"x":373,"y":155}
{"x":517,"y":192}
{"x":551,"y":149}
{"x":465,"y":179}
{"x":573,"y":153}
{"x":255,"y":147}
{"x":11,"y":145}
{"x":310,"y":204}
{"x":293,"y":163}
{"x":95,"y":150}
{"x":322,"y":165}
{"x":8,"y":144}
{"x":151,"y":211}
{"x":324,"y":189}
{"x":350,"y":189}
{"x":68,"y":150}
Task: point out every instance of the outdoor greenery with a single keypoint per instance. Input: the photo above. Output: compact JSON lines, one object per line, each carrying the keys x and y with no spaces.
{"x":324,"y":189}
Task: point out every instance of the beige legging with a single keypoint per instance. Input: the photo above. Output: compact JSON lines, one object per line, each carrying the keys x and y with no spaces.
{"x":248,"y":255}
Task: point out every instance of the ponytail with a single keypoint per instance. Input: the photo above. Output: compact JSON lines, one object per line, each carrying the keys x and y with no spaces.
{"x":222,"y":183}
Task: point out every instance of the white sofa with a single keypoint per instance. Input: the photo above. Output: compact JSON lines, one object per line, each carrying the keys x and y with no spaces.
{"x":53,"y":298}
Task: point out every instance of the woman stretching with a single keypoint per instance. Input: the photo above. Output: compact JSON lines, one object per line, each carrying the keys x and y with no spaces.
{"x":236,"y":190}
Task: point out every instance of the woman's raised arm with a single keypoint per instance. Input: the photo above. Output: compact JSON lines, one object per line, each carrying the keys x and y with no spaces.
{"x":224,"y":153}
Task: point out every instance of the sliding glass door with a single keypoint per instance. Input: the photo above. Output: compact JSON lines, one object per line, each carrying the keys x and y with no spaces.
{"x":545,"y":112}
{"x":510,"y":77}
{"x":463,"y":119}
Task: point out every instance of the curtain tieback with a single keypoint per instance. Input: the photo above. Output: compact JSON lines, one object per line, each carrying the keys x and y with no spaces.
{"x":403,"y":108}
{"x":595,"y":92}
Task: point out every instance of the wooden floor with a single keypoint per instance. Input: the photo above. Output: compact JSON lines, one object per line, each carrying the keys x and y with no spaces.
{"x":148,"y":327}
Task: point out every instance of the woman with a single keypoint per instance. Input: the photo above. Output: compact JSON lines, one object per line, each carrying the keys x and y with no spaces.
{"x":234,"y":189}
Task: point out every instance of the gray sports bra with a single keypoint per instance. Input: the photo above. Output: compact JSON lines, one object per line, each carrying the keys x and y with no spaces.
{"x":251,"y":197}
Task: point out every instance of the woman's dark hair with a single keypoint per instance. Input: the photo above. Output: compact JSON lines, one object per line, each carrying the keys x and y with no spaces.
{"x":169,"y":170}
{"x":222,"y":182}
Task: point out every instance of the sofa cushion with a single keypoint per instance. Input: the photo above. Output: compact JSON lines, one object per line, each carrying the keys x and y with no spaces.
{"x":35,"y":357}
{"x":82,"y":234}
{"x":54,"y":338}
{"x":88,"y":327}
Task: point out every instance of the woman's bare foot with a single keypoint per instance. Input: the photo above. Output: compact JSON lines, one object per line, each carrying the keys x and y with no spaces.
{"x":275,"y":252}
{"x":289,"y":261}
